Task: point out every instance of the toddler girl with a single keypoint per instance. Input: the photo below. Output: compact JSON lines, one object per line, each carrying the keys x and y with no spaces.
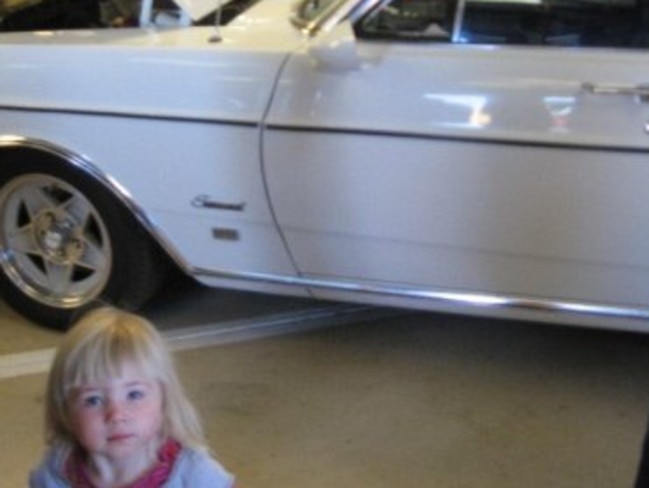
{"x":116,"y":414}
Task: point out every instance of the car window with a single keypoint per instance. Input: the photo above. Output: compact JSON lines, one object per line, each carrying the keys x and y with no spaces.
{"x":596,"y":23}
{"x":409,"y":19}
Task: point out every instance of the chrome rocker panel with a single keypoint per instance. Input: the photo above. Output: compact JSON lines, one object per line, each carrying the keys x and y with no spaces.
{"x":462,"y":301}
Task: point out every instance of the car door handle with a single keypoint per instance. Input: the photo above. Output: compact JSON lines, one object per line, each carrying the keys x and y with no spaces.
{"x":640,"y":91}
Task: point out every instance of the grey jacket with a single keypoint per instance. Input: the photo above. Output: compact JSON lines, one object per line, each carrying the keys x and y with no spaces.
{"x":193,"y":469}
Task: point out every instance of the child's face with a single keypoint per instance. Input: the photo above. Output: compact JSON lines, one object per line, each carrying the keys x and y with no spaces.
{"x":119,"y":418}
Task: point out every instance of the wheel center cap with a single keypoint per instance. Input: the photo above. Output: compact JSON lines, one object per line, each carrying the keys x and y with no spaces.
{"x":56,"y":237}
{"x":53,"y":240}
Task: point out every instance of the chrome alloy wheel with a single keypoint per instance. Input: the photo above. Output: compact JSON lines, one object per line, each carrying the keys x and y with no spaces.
{"x":54,"y":245}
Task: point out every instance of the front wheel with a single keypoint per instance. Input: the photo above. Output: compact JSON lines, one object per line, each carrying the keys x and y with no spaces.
{"x":65,"y":242}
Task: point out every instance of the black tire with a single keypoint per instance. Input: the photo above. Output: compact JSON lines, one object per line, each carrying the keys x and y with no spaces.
{"x":67,"y":243}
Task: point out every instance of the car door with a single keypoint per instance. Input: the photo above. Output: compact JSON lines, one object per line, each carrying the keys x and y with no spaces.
{"x":493,"y":146}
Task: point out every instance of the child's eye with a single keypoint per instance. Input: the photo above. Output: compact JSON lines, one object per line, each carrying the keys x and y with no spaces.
{"x":92,"y":401}
{"x":135,"y":395}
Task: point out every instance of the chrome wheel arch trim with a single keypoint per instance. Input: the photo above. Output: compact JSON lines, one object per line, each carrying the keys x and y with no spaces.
{"x":84,"y":165}
{"x":456,"y":299}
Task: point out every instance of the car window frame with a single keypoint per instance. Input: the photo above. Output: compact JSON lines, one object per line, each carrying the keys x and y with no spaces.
{"x":339,"y":11}
{"x":454,"y":37}
{"x":443,"y":35}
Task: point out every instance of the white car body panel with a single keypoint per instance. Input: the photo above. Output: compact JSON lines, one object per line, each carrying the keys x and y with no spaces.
{"x":432,"y":90}
{"x":225,"y":169}
{"x":356,"y":204}
{"x":109,"y":72}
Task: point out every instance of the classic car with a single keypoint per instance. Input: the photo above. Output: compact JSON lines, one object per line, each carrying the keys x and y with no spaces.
{"x":486,"y":157}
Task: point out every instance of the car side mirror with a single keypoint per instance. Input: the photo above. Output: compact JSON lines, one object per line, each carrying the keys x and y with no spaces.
{"x":335,"y":50}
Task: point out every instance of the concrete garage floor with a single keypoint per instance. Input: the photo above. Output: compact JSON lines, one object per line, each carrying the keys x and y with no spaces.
{"x":416,"y":401}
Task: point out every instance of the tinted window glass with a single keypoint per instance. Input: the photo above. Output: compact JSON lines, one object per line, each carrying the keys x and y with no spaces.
{"x":597,"y":23}
{"x":409,"y":19}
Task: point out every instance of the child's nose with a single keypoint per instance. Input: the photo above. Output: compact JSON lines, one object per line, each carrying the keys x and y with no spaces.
{"x":115,"y":411}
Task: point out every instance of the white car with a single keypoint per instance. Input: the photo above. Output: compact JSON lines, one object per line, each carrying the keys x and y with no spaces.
{"x":474,"y":156}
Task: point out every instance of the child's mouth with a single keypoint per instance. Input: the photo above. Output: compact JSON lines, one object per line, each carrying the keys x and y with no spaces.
{"x":119,"y":437}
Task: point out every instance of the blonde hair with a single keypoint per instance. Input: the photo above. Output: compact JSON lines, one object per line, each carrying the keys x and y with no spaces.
{"x":96,"y":348}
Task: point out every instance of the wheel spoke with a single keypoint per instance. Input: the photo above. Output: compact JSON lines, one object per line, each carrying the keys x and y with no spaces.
{"x":22,"y":240}
{"x":35,"y":199}
{"x":94,"y":256}
{"x":59,"y":277}
{"x":78,"y":208}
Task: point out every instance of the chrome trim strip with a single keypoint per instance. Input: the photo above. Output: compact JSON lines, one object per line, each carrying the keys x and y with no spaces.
{"x":443,"y":296}
{"x":362,"y":8}
{"x":335,"y":16}
{"x":450,"y":138}
{"x":130,"y":115}
{"x":328,"y":19}
{"x":458,"y":21}
{"x":103,"y":178}
{"x":310,"y":27}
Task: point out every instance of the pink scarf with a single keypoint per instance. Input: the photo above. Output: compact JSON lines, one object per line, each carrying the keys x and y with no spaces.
{"x":76,"y":474}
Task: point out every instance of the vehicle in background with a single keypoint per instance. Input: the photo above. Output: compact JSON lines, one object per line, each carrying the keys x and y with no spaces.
{"x":27,"y":15}
{"x":39,"y":15}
